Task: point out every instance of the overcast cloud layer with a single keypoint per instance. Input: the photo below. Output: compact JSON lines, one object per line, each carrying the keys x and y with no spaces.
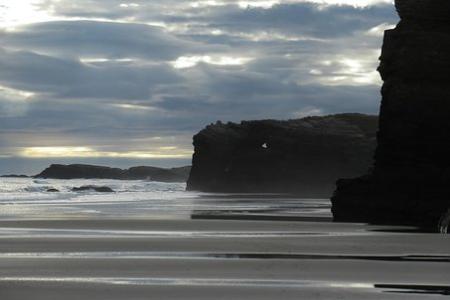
{"x":115,"y":79}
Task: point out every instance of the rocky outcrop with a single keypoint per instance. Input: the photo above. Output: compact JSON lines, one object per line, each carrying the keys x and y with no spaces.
{"x":95,"y":188}
{"x":136,"y":173}
{"x":410,"y":181}
{"x":302,"y":156}
{"x":13,"y":176}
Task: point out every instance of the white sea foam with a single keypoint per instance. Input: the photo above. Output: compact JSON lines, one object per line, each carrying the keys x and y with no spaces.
{"x":29,"y":198}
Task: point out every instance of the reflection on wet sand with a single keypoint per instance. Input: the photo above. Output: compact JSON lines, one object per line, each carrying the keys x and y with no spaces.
{"x":221,"y":256}
{"x":200,"y":246}
{"x":415,"y":289}
{"x":241,"y":283}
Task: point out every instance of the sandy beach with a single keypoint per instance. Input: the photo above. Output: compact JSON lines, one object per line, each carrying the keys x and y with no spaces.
{"x":167,"y":256}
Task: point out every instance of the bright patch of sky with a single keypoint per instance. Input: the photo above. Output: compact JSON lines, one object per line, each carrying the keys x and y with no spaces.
{"x":191,"y":61}
{"x":14,"y":13}
{"x":378,"y":31}
{"x":41,"y":152}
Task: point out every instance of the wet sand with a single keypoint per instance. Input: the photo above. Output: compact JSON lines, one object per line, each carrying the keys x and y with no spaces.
{"x":166,"y":256}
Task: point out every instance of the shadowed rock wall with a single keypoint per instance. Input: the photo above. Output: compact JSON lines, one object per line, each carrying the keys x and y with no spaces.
{"x":410,"y":182}
{"x":301,"y":156}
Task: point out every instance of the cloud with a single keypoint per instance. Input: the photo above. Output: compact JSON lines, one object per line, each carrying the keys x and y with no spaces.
{"x":125,"y":79}
{"x":294,"y":19}
{"x":67,"y":78}
{"x":97,"y":39}
{"x":13,"y":103}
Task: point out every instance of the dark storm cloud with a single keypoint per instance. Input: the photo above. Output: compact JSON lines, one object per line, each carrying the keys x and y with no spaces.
{"x":233,"y":95}
{"x":298,"y":18}
{"x":97,"y":39}
{"x":65,"y":78}
{"x":295,"y":19}
{"x":110,"y":9}
{"x":11,"y":106}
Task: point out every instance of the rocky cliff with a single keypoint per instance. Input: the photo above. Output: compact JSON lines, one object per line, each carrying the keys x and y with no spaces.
{"x":303,"y":156}
{"x":410,"y":181}
{"x":89,"y":171}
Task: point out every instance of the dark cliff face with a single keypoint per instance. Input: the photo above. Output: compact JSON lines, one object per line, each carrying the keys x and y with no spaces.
{"x":302,"y":156}
{"x":100,"y":172}
{"x":410,"y":182}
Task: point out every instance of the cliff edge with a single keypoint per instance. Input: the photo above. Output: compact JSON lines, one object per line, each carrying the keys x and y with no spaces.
{"x":410,"y":181}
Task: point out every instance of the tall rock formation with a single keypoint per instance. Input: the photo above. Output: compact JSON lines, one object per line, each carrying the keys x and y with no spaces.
{"x":410,"y":182}
{"x":302,"y":156}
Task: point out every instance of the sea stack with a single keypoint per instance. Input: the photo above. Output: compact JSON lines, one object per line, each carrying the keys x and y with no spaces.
{"x":410,"y":181}
{"x":302,"y":156}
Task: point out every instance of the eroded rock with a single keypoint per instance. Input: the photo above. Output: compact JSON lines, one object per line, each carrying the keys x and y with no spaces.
{"x":410,"y":181}
{"x":100,"y":189}
{"x":302,"y":156}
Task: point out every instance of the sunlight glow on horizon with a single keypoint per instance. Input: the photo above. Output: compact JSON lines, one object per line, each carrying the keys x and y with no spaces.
{"x":87,"y":152}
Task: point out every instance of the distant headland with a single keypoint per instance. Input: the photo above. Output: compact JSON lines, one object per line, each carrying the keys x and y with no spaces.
{"x":81,"y":171}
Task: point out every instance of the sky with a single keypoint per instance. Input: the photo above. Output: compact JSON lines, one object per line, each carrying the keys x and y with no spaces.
{"x":129,"y":83}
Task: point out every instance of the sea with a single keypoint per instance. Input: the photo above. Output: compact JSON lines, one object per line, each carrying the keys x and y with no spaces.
{"x":29,"y":198}
{"x":155,"y":240}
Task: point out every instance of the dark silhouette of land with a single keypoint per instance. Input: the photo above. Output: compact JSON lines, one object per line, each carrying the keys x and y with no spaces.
{"x":303,"y":156}
{"x":77,"y":171}
{"x":410,"y":181}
